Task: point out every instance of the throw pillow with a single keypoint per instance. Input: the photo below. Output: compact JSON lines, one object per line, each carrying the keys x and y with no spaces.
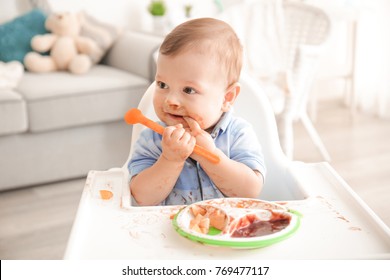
{"x":10,"y":74}
{"x":15,"y":35}
{"x":102,"y":33}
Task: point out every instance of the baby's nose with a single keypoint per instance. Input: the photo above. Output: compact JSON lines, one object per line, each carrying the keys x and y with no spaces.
{"x":173,"y":99}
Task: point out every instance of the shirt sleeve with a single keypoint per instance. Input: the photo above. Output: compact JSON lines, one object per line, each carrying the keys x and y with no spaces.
{"x":246,"y":148}
{"x":147,"y":150}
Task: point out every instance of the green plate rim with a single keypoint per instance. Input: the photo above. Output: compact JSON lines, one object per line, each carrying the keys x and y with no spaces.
{"x":235,"y":244}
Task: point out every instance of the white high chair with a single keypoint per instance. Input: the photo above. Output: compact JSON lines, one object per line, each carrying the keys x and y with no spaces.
{"x":253,"y":105}
{"x":335,"y":222}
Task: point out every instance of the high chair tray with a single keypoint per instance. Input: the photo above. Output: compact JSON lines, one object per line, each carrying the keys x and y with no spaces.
{"x":335,"y":224}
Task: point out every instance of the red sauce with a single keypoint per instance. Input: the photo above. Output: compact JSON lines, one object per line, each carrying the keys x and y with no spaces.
{"x":257,"y":228}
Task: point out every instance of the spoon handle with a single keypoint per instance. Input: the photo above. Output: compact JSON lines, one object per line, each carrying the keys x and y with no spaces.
{"x":199,"y":150}
{"x":134,"y":116}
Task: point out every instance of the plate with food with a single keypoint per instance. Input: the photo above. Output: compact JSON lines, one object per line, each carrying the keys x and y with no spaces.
{"x":236,"y":222}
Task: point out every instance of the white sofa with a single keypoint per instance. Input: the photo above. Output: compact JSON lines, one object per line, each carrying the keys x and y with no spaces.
{"x":59,"y":126}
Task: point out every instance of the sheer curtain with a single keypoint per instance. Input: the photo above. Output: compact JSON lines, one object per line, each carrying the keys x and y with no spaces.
{"x":372,"y":80}
{"x":372,"y":51}
{"x":260,"y":26}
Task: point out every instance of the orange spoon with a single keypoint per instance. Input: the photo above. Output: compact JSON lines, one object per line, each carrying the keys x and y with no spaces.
{"x":134,"y":116}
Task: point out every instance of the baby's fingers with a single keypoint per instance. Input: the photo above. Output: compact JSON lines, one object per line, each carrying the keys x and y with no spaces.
{"x":177,"y":134}
{"x":168,"y":132}
{"x":188,"y":139}
{"x":194,"y":126}
{"x":174,"y":133}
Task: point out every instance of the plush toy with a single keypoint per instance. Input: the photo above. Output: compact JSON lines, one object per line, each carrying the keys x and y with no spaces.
{"x":68,"y":50}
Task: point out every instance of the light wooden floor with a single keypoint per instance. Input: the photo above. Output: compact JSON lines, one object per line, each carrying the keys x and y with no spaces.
{"x":35,"y":222}
{"x":360,"y":152}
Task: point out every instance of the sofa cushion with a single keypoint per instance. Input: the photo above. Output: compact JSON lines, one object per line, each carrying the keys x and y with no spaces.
{"x":103,"y":94}
{"x":16,"y":35}
{"x":13,"y":116}
{"x":103,"y":34}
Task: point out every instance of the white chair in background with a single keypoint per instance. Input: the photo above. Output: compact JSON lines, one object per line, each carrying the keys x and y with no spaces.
{"x":307,"y":29}
{"x":283,"y":51}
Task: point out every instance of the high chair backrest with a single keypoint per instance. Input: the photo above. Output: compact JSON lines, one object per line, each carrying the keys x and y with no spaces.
{"x":253,"y":105}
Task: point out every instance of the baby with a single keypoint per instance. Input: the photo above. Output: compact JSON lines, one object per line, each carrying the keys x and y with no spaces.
{"x":198,"y":69}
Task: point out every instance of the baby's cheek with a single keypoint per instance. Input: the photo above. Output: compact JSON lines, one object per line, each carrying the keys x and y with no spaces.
{"x":200,"y":120}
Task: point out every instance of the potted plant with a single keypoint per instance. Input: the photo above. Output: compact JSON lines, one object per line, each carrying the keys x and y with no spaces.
{"x":187,"y":10}
{"x":157,"y":8}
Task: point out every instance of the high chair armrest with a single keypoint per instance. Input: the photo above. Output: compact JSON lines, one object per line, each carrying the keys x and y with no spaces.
{"x":133,"y":52}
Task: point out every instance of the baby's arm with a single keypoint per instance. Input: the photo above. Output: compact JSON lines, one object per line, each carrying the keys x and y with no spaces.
{"x":154,"y":184}
{"x":234,"y":179}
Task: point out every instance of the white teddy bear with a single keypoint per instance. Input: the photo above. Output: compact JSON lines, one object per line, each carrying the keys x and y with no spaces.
{"x":68,"y":49}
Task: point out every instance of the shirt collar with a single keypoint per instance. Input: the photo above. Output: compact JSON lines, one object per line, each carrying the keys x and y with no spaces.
{"x":221,"y":124}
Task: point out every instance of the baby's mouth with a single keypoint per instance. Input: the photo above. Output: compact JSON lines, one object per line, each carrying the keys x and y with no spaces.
{"x":174,"y":116}
{"x":176,"y":119}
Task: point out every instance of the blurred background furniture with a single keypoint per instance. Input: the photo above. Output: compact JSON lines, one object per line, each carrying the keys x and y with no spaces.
{"x":283,"y":52}
{"x":307,"y":29}
{"x":338,"y":75}
{"x":57,"y":126}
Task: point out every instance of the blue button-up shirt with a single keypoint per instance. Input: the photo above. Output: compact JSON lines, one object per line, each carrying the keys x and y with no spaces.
{"x":232,"y":135}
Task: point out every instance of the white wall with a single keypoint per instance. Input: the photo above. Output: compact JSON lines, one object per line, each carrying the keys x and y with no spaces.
{"x":125,"y":13}
{"x":133,"y":14}
{"x":12,"y":8}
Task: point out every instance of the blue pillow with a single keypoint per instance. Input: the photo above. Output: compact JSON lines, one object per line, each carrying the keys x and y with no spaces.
{"x":15,"y":35}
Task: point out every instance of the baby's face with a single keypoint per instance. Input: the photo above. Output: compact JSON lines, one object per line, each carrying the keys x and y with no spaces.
{"x":189,"y":84}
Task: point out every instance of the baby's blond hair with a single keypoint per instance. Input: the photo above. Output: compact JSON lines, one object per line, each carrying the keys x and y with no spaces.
{"x":207,"y":35}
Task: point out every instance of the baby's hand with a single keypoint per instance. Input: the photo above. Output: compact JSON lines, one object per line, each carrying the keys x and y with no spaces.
{"x":177,"y":144}
{"x":203,"y":138}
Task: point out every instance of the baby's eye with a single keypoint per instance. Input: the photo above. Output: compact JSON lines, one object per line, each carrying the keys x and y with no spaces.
{"x":162,"y":85}
{"x":189,"y":90}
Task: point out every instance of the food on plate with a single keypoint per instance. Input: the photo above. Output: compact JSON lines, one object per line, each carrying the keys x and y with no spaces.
{"x":196,"y":209}
{"x":206,"y":217}
{"x":243,"y":223}
{"x":218,"y":218}
{"x":241,"y":219}
{"x":252,"y":225}
{"x":200,"y":224}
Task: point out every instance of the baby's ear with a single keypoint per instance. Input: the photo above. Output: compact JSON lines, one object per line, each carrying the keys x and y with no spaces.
{"x":230,"y":96}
